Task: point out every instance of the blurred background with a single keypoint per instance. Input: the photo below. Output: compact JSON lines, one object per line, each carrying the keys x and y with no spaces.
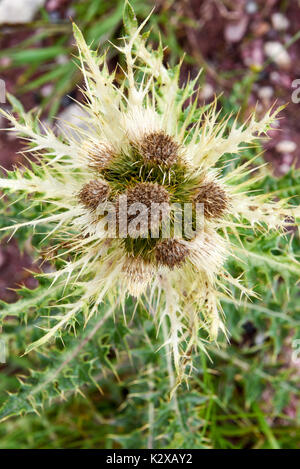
{"x":249,"y":51}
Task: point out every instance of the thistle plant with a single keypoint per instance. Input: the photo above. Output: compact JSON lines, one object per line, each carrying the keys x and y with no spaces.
{"x":146,"y":142}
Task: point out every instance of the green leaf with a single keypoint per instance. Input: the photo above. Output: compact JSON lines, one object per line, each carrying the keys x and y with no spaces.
{"x":129,"y":18}
{"x":24,"y":57}
{"x":265,"y":427}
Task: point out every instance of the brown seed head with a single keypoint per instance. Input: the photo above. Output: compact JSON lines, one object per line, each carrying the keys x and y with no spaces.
{"x":160,"y":148}
{"x":214,"y":199}
{"x":93,"y":193}
{"x":99,"y":155}
{"x":171,"y":253}
{"x":148,"y":193}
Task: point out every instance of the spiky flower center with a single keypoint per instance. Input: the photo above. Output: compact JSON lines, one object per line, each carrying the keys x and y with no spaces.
{"x":214,"y":199}
{"x":148,"y":200}
{"x":93,"y":193}
{"x":159,"y":148}
{"x":150,"y":173}
{"x":148,"y":194}
{"x":171,"y":253}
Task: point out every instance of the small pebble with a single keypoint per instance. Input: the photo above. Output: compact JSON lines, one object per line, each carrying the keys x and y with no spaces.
{"x":275,"y":51}
{"x":207,"y":91}
{"x":5,"y":61}
{"x":62,"y":59}
{"x":280,"y":22}
{"x":265,"y":92}
{"x":46,"y":90}
{"x":16,"y":11}
{"x":260,"y":29}
{"x":235,"y":30}
{"x":286,"y":146}
{"x":53,"y":5}
{"x":275,"y":77}
{"x":251,"y":8}
{"x":284,"y":168}
{"x":260,"y":338}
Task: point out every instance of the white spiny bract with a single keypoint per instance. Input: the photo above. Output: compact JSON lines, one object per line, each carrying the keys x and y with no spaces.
{"x":144,"y":137}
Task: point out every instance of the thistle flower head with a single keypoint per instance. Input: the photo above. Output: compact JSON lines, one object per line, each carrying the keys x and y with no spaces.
{"x":97,"y":155}
{"x":171,"y":253}
{"x":214,"y":199}
{"x":147,"y":193}
{"x":158,"y":148}
{"x":146,"y":145}
{"x":93,"y":193}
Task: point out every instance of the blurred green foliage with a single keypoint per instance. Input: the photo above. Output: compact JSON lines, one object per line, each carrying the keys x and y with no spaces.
{"x":45,"y":55}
